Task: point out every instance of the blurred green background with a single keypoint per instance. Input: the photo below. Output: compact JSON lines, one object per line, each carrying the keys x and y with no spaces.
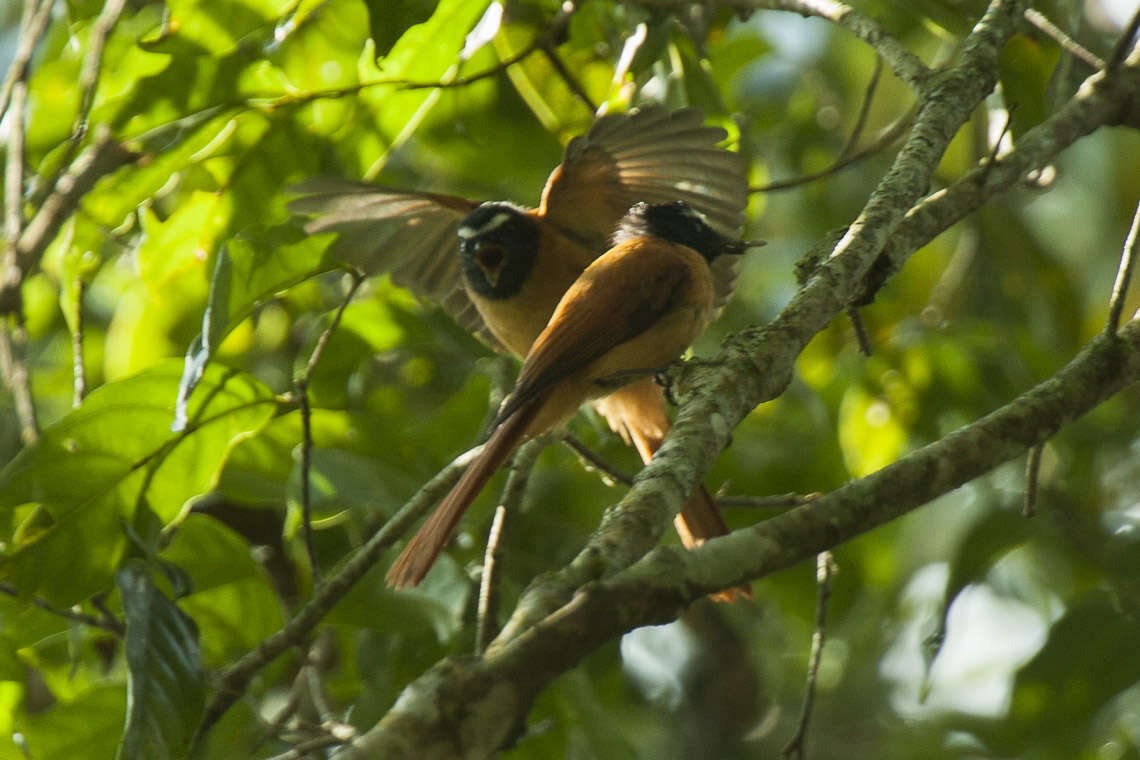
{"x":1032,"y":625}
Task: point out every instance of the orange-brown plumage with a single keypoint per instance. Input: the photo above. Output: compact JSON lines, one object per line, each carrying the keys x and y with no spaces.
{"x":632,"y":311}
{"x":650,"y":155}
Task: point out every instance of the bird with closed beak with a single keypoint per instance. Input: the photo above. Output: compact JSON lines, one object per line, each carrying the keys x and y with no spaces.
{"x":631,"y":312}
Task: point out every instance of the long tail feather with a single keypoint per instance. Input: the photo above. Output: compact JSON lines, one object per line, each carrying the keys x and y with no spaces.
{"x":421,"y":552}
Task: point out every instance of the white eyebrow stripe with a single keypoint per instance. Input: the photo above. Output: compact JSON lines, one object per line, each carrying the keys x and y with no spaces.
{"x":494,"y":222}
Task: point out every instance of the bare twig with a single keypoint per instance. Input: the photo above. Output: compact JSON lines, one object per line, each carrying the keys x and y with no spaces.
{"x":79,"y":371}
{"x":487,"y":626}
{"x":108,"y":622}
{"x":862,"y":337}
{"x":776,"y":501}
{"x":864,"y":109}
{"x":885,"y":138}
{"x":594,"y":460}
{"x":309,"y":746}
{"x":89,"y":80}
{"x":1128,"y":257}
{"x":825,"y":568}
{"x":102,"y":157}
{"x":565,"y":74}
{"x":13,"y":336}
{"x":232,"y":682}
{"x":1032,"y":479}
{"x":518,"y":474}
{"x":1067,"y":43}
{"x":33,"y":22}
{"x":905,"y":64}
{"x":14,"y":173}
{"x":995,"y":149}
{"x":301,"y":386}
{"x":276,"y":102}
{"x":1124,"y":44}
{"x":14,"y":371}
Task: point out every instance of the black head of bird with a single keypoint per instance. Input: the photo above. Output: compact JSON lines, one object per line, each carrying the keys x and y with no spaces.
{"x":498,"y":244}
{"x":678,"y":222}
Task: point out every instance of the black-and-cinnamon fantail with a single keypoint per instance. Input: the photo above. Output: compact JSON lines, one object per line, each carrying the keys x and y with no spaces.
{"x":516,"y":264}
{"x":636,"y":308}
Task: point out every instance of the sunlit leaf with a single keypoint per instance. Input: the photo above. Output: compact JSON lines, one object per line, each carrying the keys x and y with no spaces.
{"x":246,"y":272}
{"x":869,"y":432}
{"x":87,"y":727}
{"x":93,"y":469}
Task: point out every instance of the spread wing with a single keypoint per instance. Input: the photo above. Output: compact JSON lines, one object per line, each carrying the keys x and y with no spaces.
{"x":604,"y":308}
{"x":412,"y":235}
{"x":654,"y":155}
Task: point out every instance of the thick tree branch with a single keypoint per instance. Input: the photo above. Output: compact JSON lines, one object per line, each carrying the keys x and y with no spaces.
{"x":756,"y":365}
{"x":471,"y":708}
{"x":1102,"y":99}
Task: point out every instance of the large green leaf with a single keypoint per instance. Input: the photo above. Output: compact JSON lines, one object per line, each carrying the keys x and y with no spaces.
{"x":85,"y":728}
{"x":247,"y":271}
{"x":72,"y":493}
{"x":166,"y":686}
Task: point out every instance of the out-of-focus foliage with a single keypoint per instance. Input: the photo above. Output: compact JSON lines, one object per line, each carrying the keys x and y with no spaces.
{"x":961,"y":630}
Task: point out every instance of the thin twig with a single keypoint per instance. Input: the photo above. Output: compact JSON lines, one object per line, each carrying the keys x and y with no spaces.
{"x":107,"y":623}
{"x":864,"y":109}
{"x":303,"y":749}
{"x":487,"y":627}
{"x":885,"y":138}
{"x":276,"y":725}
{"x":825,"y":568}
{"x":995,"y":149}
{"x":571,"y":81}
{"x":905,"y":64}
{"x":1067,"y":43}
{"x":862,"y":337}
{"x":233,"y":681}
{"x":14,"y":172}
{"x":1128,"y":257}
{"x":271,"y":103}
{"x":776,"y":501}
{"x":1032,"y":479}
{"x":33,"y":22}
{"x":79,"y":371}
{"x":89,"y":81}
{"x":1124,"y":44}
{"x":14,"y":371}
{"x":102,"y":157}
{"x":301,"y":386}
{"x":595,"y":461}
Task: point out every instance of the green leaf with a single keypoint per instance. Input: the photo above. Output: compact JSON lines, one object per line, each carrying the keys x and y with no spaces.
{"x":72,"y":492}
{"x":85,"y":728}
{"x":173,"y":246}
{"x":426,"y":52}
{"x":869,"y":432}
{"x":165,"y":682}
{"x":1025,"y":70}
{"x":435,"y":606}
{"x":1088,"y":659}
{"x":247,"y":271}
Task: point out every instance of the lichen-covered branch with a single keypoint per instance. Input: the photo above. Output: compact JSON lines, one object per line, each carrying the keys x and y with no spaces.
{"x":470,"y":708}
